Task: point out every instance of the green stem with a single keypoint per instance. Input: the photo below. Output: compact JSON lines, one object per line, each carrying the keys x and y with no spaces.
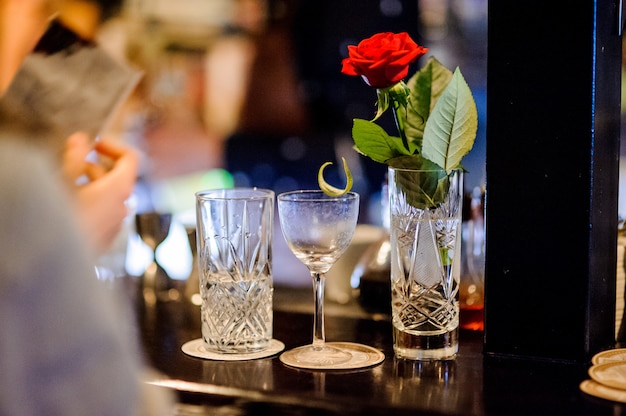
{"x":399,"y":96}
{"x":399,"y":121}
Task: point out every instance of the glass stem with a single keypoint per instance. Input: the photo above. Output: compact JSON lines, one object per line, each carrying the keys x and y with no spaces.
{"x":319,"y":337}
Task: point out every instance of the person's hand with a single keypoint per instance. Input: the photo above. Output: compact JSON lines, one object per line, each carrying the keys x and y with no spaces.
{"x":101,"y":199}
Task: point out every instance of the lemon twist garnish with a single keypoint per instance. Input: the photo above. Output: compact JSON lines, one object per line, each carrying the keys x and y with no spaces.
{"x":327,"y":188}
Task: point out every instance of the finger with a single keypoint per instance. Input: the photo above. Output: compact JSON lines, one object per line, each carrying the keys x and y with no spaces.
{"x":126,"y":159}
{"x":120,"y":178}
{"x":111,"y":149}
{"x":76,"y":149}
{"x":124,"y":173}
{"x":80,"y":139}
{"x":94,"y":171}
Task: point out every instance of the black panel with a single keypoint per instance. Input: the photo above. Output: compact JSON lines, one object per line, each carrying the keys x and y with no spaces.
{"x":553,"y":106}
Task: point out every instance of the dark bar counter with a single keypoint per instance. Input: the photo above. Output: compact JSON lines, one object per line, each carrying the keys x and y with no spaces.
{"x":470,"y":385}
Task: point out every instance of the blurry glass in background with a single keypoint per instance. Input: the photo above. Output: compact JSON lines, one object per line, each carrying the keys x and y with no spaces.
{"x":472,"y":287}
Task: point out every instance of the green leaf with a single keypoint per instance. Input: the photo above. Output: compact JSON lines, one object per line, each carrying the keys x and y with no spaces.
{"x":426,"y":86}
{"x":451,"y":128}
{"x":373,"y":141}
{"x":424,"y":183}
{"x":415,"y":162}
{"x":400,"y":93}
{"x":383,"y":102}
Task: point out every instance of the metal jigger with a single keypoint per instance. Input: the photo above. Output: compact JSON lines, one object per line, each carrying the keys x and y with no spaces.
{"x":153,"y":228}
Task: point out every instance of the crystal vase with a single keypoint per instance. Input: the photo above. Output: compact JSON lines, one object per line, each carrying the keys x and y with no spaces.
{"x":425,"y":235}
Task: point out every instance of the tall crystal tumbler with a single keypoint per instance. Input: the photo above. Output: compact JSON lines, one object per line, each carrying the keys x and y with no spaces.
{"x":234,"y":238}
{"x":426,"y":215}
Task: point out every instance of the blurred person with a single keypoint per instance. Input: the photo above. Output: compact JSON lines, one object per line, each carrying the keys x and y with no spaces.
{"x":65,"y":348}
{"x":100,"y":203}
{"x":85,"y":17}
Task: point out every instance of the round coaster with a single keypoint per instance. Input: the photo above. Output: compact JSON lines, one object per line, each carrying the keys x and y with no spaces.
{"x":596,"y":389}
{"x":195,"y":348}
{"x":611,"y":374}
{"x":362,"y":356}
{"x":618,"y":354}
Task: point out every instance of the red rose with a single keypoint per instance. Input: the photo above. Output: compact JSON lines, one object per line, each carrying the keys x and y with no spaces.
{"x":383,"y":59}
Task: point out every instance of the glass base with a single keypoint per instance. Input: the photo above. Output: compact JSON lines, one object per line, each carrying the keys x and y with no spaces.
{"x":425,"y":347}
{"x":249,"y":347}
{"x":314,"y":356}
{"x":333,"y":356}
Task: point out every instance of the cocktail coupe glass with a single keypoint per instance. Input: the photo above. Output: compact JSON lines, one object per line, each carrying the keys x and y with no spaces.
{"x":318,"y":229}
